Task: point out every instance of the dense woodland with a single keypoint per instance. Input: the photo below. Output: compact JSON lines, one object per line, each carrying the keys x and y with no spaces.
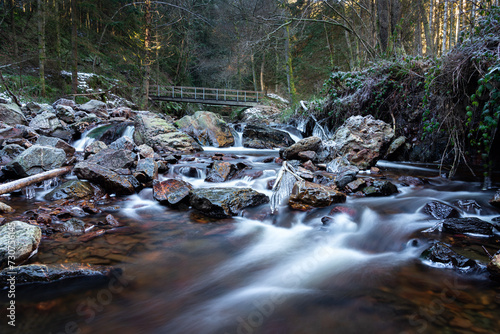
{"x":430,"y":67}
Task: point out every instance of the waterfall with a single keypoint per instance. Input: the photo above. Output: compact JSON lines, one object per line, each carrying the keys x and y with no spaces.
{"x":129,"y":131}
{"x":84,"y":141}
{"x":238,"y":138}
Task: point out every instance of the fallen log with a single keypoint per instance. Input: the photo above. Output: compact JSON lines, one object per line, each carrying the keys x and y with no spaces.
{"x":27,"y":181}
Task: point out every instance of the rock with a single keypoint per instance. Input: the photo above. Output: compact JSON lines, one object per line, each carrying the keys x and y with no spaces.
{"x":306,"y":155}
{"x":306,"y":195}
{"x":442,"y":253}
{"x":355,"y":185}
{"x":11,"y":114}
{"x":48,"y":124}
{"x":123,"y":143}
{"x":36,"y":159}
{"x":108,"y":179}
{"x":27,"y":238}
{"x":10,"y":152}
{"x":494,"y":267}
{"x":57,"y":143}
{"x":209,"y":128}
{"x":411,"y":181}
{"x":73,"y":189}
{"x":158,"y":133}
{"x":362,"y":140}
{"x":64,"y":102}
{"x":94,"y":148}
{"x":110,"y":132}
{"x":146,"y":171}
{"x":114,"y":159}
{"x":394,"y":147}
{"x":225,"y":202}
{"x":41,"y":273}
{"x":146,"y":151}
{"x":440,"y":210}
{"x":264,"y":137}
{"x":467,"y":225}
{"x":171,"y":192}
{"x":261,"y":114}
{"x":307,"y":144}
{"x":495,"y":201}
{"x":96,"y":107}
{"x":220,"y":171}
{"x":72,"y":226}
{"x":4,"y":208}
{"x":310,"y":166}
{"x":65,"y":113}
{"x":124,"y":112}
{"x":380,"y":188}
{"x":340,"y":178}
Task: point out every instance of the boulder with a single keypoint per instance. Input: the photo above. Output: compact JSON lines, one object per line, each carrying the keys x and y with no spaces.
{"x":27,"y":238}
{"x":57,"y":143}
{"x":442,"y":253}
{"x":10,"y":152}
{"x":495,"y":201}
{"x":225,"y":202}
{"x":467,"y":225}
{"x":123,"y":143}
{"x":94,"y":148}
{"x":306,"y":195}
{"x":494,"y":267}
{"x":395,"y":147}
{"x":220,"y":171}
{"x":380,"y":188}
{"x":362,"y":140}
{"x":265,"y":137}
{"x":114,"y":159}
{"x":145,"y":151}
{"x":11,"y":114}
{"x":440,"y":210}
{"x":72,"y":226}
{"x":36,"y":159}
{"x":160,"y":134}
{"x":303,"y":145}
{"x":209,"y":128}
{"x":64,"y":102}
{"x":74,"y":189}
{"x":41,"y":273}
{"x":146,"y":171}
{"x":48,"y":124}
{"x":171,"y":192}
{"x":4,"y":208}
{"x":96,"y":107}
{"x":108,"y":179}
{"x":65,"y":113}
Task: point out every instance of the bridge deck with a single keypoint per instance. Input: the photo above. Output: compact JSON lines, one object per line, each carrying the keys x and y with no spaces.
{"x":230,"y":97}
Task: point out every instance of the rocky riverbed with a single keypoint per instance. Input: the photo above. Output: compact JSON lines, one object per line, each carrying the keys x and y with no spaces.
{"x":146,"y":187}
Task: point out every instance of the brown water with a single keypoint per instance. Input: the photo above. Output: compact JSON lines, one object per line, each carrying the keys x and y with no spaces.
{"x":184,"y":273}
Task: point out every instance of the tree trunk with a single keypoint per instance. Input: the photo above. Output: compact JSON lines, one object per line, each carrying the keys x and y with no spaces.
{"x":27,"y":181}
{"x":445,"y":26}
{"x":41,"y":44}
{"x":289,"y":72}
{"x":262,"y":68}
{"x":13,"y":28}
{"x":395,"y":20}
{"x":458,"y":18}
{"x":329,"y":46}
{"x":74,"y":49}
{"x":254,"y":74}
{"x":147,"y":57}
{"x":383,"y":23}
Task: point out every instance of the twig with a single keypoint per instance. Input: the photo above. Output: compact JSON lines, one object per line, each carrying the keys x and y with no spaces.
{"x":486,"y":251}
{"x":14,"y":97}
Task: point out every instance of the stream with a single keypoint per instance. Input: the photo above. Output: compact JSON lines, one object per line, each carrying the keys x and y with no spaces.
{"x":286,"y":273}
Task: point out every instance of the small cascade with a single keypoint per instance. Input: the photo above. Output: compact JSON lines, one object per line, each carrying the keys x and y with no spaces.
{"x":83,"y":142}
{"x":29,"y":192}
{"x":129,"y":131}
{"x":320,"y":131}
{"x":238,"y":139}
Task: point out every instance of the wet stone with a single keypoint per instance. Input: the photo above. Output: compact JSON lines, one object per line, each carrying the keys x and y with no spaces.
{"x":442,"y":253}
{"x":307,"y":194}
{"x":380,"y":188}
{"x":219,"y":172}
{"x":440,"y":210}
{"x":73,"y":189}
{"x":171,"y":192}
{"x":72,"y":226}
{"x":467,"y":225}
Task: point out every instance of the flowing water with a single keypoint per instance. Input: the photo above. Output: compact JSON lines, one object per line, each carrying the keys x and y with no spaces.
{"x":262,"y":273}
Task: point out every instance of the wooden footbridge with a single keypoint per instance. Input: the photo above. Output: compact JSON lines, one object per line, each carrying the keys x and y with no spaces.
{"x":228,"y":97}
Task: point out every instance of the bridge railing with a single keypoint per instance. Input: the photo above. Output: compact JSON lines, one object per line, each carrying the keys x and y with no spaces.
{"x":200,"y":93}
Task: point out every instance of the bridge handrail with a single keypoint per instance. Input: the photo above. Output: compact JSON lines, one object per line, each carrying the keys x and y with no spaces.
{"x":201,"y":93}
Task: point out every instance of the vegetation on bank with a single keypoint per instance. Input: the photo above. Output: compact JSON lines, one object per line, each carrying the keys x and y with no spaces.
{"x":449,"y":105}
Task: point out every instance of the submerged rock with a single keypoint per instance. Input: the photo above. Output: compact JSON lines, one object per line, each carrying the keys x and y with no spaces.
{"x":74,"y":189}
{"x":108,"y":179}
{"x":171,"y":192}
{"x":440,"y":210}
{"x":208,"y":128}
{"x":162,"y":135}
{"x":306,"y":195}
{"x":27,"y":238}
{"x":265,"y":137}
{"x":380,"y":188}
{"x":225,"y":202}
{"x":72,"y":226}
{"x":40,"y":273}
{"x":442,"y":253}
{"x":467,"y":225}
{"x":36,"y":159}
